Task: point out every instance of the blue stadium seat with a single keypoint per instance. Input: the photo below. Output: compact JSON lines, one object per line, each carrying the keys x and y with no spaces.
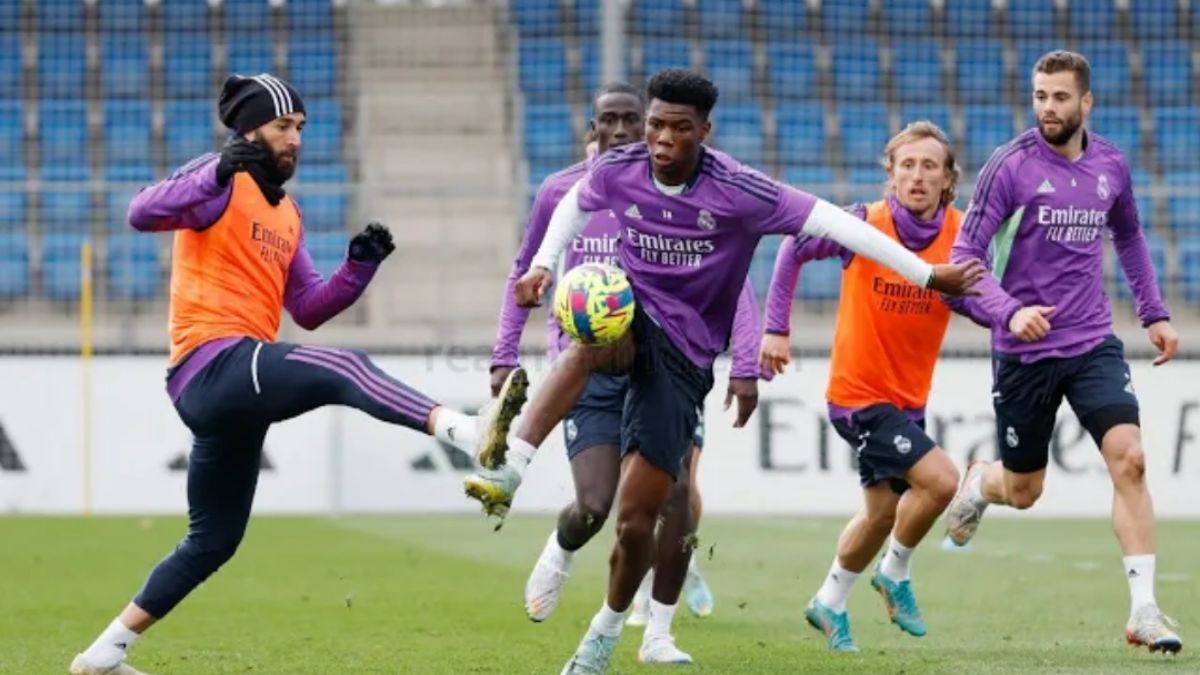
{"x":309,"y":17}
{"x":1028,"y":53}
{"x":1183,"y":204}
{"x":592,"y":62}
{"x":938,"y":113}
{"x":127,"y":133}
{"x":309,"y":174}
{"x":61,"y":265}
{"x":979,"y":71}
{"x":124,"y":66}
{"x":792,"y":70}
{"x":802,"y":133}
{"x":184,"y":16}
{"x":817,"y":180}
{"x":10,"y":66}
{"x":820,"y":280}
{"x":586,"y":18}
{"x":1110,"y":69}
{"x":782,"y":19}
{"x":1030,"y":19}
{"x":14,"y":265}
{"x":187,"y":67}
{"x":917,"y":71}
{"x":312,"y":65}
{"x":246,"y":17}
{"x":327,"y":249}
{"x":1168,"y":66}
{"x":62,"y":65}
{"x":970,"y":18}
{"x":122,"y":16}
{"x":1189,"y":268}
{"x":116,"y":208}
{"x":543,"y":68}
{"x":660,"y":53}
{"x":59,"y":15}
{"x":548,"y":133}
{"x":856,"y":70}
{"x":864,"y":132}
{"x":730,"y":64}
{"x":1143,"y":196}
{"x":1092,"y":18}
{"x":908,"y":17}
{"x":322,"y":139}
{"x":738,"y":129}
{"x":131,"y":265}
{"x":192,"y":130}
{"x":1155,"y":19}
{"x":844,"y":17}
{"x":1158,"y":256}
{"x":1122,"y":126}
{"x":324,"y":211}
{"x":63,"y":136}
{"x":251,"y":57}
{"x":537,"y":17}
{"x":722,"y":19}
{"x":12,"y":133}
{"x":10,"y":15}
{"x":538,"y":171}
{"x":12,"y":209}
{"x":987,"y":127}
{"x":66,"y":210}
{"x":864,"y":185}
{"x":1178,"y":142}
{"x":657,"y":17}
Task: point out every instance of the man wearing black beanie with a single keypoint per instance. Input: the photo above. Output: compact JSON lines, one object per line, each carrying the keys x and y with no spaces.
{"x":239,"y":260}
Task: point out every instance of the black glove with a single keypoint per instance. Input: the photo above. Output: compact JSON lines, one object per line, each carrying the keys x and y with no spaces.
{"x":372,"y":245}
{"x":238,"y":155}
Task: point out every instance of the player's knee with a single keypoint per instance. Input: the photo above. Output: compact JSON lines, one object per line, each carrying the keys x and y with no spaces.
{"x":944,"y":487}
{"x":634,"y":529}
{"x":1129,"y":465}
{"x":594,"y":509}
{"x":881,"y":522}
{"x":1024,"y":495}
{"x":207,"y":553}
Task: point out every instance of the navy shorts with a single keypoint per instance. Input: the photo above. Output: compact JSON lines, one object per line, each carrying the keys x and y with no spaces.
{"x":596,"y":419}
{"x":666,"y":394}
{"x":1026,"y":397}
{"x":888,"y":443}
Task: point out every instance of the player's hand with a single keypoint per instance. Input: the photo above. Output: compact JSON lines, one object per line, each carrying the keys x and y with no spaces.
{"x":957,"y":279}
{"x":1165,"y":340}
{"x":371,"y":245}
{"x":745,"y":390}
{"x":776,"y":353}
{"x":532,"y":287}
{"x":1030,"y":324}
{"x":237,"y":155}
{"x":499,"y":375}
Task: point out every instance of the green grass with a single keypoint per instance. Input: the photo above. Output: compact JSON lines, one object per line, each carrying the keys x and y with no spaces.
{"x":443,"y":595}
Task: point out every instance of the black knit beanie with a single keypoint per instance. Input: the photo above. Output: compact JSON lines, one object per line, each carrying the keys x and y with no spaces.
{"x":247,"y":103}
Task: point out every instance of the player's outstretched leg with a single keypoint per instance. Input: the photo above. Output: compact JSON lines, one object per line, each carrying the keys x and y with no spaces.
{"x":674,"y":550}
{"x":932,"y":481}
{"x":596,"y":470}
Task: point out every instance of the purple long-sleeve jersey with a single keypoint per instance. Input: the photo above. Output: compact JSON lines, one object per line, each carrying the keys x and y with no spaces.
{"x":598,"y":243}
{"x":915,"y":234}
{"x":1039,"y":219}
{"x":192,"y":199}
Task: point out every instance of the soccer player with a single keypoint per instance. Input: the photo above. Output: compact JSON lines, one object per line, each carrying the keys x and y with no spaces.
{"x":592,"y":430}
{"x":690,"y":219}
{"x":239,"y":259}
{"x":1045,"y":202}
{"x":885,"y":346}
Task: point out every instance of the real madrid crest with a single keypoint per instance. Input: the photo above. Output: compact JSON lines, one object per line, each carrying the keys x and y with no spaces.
{"x":705,"y":220}
{"x":1102,"y":187}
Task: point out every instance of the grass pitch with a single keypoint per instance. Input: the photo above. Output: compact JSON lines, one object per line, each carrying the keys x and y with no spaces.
{"x":435,"y":595}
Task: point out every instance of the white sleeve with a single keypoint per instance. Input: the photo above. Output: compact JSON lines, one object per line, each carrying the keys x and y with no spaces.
{"x":567,"y":221}
{"x":831,"y":222}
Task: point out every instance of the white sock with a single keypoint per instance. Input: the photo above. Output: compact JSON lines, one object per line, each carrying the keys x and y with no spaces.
{"x":836,"y":589}
{"x":895,"y":561}
{"x":109,"y":649}
{"x":520,"y":453}
{"x":693,"y":568}
{"x":975,"y":491}
{"x":1139,"y":571}
{"x":661,"y":617}
{"x":608,"y":621}
{"x":561,"y":556}
{"x":454,"y":428}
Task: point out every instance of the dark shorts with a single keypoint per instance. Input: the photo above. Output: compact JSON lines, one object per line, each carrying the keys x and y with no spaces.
{"x":1026,"y":397}
{"x":888,"y":443}
{"x":596,"y":418}
{"x":666,"y":394}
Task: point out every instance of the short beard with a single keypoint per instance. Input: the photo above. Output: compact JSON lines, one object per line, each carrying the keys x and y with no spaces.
{"x":277,"y":171}
{"x":1069,"y":127}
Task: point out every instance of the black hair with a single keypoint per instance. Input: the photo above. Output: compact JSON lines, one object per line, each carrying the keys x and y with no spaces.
{"x":619,"y":87}
{"x":684,"y":87}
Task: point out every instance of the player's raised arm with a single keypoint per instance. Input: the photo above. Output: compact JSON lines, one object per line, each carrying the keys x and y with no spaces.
{"x":312,"y":300}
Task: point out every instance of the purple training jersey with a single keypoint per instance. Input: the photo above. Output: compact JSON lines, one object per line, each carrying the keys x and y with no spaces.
{"x":687,"y":254}
{"x":1040,"y":219}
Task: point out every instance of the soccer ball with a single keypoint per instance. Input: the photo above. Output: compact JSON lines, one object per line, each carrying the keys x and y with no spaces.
{"x":594,"y":304}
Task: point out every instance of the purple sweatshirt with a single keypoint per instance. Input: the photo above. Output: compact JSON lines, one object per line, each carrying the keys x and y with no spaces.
{"x":597,"y":243}
{"x":1039,"y":219}
{"x":191,"y":199}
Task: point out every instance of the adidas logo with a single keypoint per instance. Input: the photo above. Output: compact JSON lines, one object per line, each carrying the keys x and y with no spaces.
{"x":1133,"y":574}
{"x":450,"y":433}
{"x":1046,"y":187}
{"x":633,"y":212}
{"x":121,"y":645}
